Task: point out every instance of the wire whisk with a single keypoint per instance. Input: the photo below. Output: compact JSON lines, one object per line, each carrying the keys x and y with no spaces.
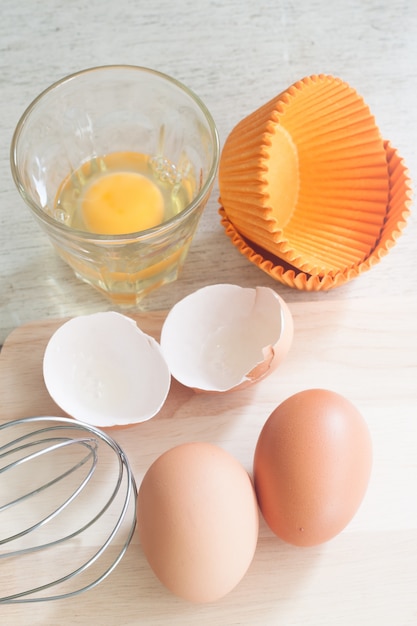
{"x":67,"y":508}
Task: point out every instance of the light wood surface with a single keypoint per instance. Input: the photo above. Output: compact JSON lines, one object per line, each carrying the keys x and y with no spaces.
{"x":367,"y":575}
{"x":359,"y":339}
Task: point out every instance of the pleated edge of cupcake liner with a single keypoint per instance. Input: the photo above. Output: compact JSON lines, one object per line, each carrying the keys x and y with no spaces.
{"x":271,"y":112}
{"x":293,"y":277}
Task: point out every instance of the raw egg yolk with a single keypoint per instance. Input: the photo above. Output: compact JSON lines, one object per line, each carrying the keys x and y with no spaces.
{"x":122,"y":202}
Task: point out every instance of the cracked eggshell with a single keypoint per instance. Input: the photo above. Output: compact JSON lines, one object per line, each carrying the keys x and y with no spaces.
{"x":103,"y":370}
{"x":224,"y":337}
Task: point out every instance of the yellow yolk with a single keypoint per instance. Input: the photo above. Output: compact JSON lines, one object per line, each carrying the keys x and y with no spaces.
{"x":122,"y":202}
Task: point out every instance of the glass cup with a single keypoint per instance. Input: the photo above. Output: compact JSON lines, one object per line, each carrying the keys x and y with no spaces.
{"x":63,"y":137}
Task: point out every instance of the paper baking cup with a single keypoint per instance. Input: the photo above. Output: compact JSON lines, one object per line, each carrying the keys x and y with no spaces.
{"x":305,"y":176}
{"x":396,"y":214}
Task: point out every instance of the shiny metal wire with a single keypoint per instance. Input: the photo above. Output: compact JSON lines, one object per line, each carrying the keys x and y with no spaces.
{"x":44,"y":436}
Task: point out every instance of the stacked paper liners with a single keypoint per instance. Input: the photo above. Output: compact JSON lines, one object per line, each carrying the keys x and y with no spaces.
{"x":397,"y":212}
{"x":305,"y":177}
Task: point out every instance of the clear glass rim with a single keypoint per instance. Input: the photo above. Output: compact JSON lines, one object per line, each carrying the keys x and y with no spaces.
{"x":120,"y":238}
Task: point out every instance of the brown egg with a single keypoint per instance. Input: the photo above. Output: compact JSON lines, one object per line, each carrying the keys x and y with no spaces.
{"x":312,"y":466}
{"x":198,"y":521}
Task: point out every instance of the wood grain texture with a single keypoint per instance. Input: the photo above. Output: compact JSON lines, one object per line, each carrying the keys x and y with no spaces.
{"x":366,"y":350}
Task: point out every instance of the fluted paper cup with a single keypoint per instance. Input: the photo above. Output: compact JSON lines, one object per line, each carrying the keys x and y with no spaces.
{"x":396,"y":214}
{"x":305,"y":177}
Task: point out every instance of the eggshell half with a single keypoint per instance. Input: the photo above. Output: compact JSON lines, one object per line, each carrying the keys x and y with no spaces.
{"x":312,"y":465}
{"x":198,"y":521}
{"x":103,"y":370}
{"x":224,"y":337}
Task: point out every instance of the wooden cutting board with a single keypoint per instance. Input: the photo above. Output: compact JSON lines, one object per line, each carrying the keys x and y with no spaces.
{"x":366,"y":350}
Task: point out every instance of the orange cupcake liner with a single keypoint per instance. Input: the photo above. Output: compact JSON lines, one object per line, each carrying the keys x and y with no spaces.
{"x":320,"y":137}
{"x":395,"y":220}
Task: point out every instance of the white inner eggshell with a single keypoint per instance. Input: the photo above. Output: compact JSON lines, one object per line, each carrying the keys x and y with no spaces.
{"x":103,"y":370}
{"x":215,"y":338}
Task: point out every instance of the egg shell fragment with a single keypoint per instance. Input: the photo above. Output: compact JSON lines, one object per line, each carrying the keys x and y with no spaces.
{"x":103,"y":370}
{"x":312,"y":466}
{"x":224,"y":337}
{"x":198,"y":521}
